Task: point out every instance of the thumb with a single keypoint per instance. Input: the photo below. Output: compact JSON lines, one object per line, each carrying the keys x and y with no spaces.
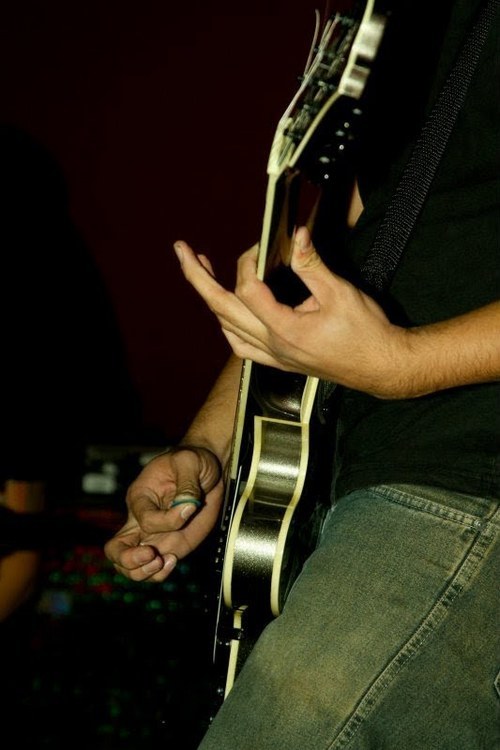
{"x":306,"y":262}
{"x":304,"y":255}
{"x":197,"y":472}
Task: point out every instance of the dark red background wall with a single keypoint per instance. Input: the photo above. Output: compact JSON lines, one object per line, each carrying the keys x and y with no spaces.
{"x":161,"y":115}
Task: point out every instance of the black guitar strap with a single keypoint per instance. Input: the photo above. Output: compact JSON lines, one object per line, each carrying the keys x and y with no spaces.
{"x":408,"y":199}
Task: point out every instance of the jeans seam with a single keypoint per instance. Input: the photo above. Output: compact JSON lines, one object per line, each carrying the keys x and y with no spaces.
{"x":430,"y":507}
{"x":435,"y":617}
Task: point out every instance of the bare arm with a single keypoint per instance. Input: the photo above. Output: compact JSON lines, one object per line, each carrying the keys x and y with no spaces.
{"x":175,"y":501}
{"x":460,"y":351}
{"x":341,"y":334}
{"x":213,"y":425}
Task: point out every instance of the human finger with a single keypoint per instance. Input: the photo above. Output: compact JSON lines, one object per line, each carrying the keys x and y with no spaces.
{"x":137,"y":561}
{"x":257,"y":296}
{"x":308,"y":265}
{"x":244,"y":349}
{"x":231,"y":311}
{"x":172,"y":487}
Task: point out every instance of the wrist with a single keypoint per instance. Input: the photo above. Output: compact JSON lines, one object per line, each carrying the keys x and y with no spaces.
{"x":423,"y":361}
{"x":390,"y":372}
{"x":200,"y":444}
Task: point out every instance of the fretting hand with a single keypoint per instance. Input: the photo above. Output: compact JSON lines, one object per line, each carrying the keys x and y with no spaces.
{"x":338,"y":333}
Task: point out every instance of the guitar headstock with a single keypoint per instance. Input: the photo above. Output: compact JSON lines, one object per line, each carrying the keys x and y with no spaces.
{"x":339,"y":64}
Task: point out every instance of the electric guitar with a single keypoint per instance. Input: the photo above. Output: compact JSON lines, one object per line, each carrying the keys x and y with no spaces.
{"x":277,"y":489}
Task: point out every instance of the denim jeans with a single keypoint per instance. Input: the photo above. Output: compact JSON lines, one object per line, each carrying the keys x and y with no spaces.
{"x":389,"y":639}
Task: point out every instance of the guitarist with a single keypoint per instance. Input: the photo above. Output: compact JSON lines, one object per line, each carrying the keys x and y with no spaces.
{"x":389,"y":637}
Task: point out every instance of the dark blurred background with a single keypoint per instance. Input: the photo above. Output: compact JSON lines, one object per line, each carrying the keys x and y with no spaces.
{"x":160,"y":115}
{"x":142,"y":123}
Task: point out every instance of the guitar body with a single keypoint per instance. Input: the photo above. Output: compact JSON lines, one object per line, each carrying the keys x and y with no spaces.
{"x":278,"y":483}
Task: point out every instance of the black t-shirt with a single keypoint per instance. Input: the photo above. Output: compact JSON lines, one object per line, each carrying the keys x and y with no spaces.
{"x":450,"y":265}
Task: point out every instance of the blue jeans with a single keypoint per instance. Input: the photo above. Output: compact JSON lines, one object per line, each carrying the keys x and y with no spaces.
{"x":389,"y":639}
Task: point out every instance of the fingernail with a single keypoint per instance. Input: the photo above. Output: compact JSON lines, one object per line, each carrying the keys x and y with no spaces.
{"x":188,"y":511}
{"x":170,"y":562}
{"x":178,"y":251}
{"x":301,"y":241}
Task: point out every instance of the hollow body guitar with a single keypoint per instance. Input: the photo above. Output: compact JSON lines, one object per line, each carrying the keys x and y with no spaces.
{"x":277,"y":489}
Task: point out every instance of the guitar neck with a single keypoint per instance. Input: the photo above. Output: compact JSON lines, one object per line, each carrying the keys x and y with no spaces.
{"x":278,"y":479}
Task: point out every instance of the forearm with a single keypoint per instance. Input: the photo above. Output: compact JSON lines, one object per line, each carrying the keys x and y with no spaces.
{"x":212,"y":427}
{"x":461,"y":351}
